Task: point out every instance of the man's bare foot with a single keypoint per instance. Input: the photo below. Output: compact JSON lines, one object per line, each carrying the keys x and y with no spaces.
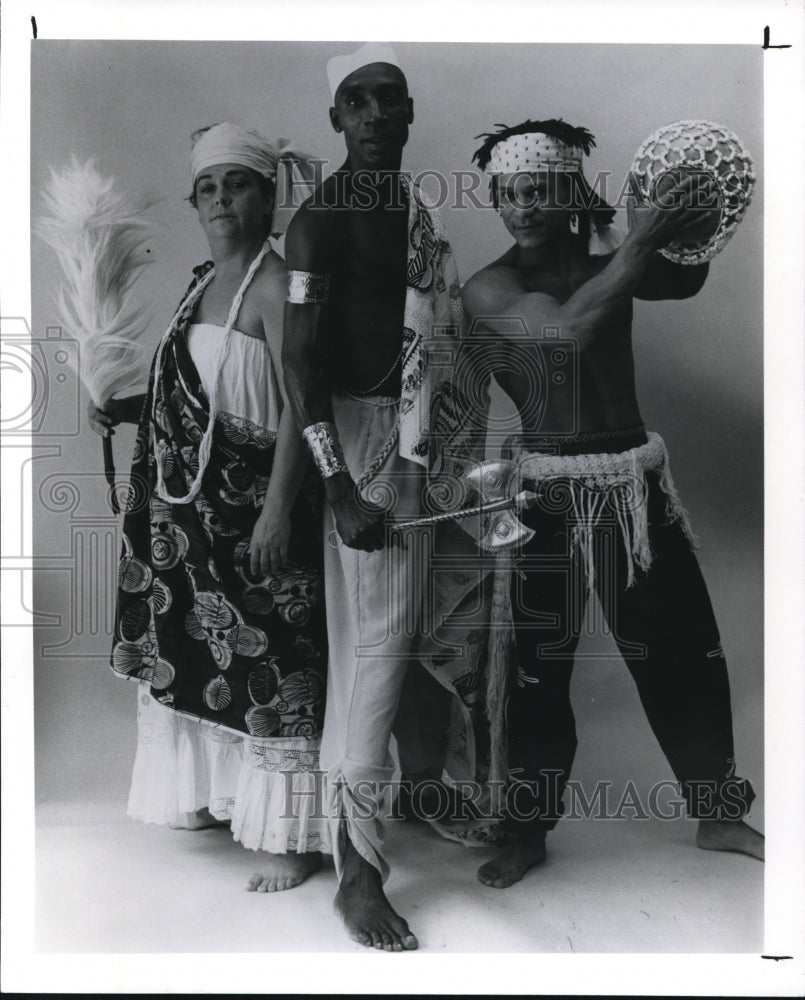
{"x":284,"y":871}
{"x":366,"y":912}
{"x":512,"y":863}
{"x":202,"y":819}
{"x":730,"y":835}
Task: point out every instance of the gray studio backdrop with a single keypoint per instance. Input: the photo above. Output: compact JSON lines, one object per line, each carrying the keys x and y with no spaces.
{"x":133,"y":105}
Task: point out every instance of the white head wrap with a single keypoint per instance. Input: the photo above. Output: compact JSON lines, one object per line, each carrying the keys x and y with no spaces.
{"x":339,"y":67}
{"x":292,"y":171}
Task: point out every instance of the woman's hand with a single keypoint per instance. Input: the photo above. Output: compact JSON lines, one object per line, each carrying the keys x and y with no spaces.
{"x":103,"y":418}
{"x":113,"y":412}
{"x":269,"y":545}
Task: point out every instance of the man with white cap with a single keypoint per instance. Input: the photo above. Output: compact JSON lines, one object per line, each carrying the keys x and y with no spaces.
{"x":371,"y":278}
{"x":608,"y":518}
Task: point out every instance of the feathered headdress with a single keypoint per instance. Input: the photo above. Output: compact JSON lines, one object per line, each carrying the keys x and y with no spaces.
{"x":100,"y":236}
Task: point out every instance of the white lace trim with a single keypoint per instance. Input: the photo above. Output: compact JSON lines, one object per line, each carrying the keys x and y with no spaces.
{"x":271,"y":790}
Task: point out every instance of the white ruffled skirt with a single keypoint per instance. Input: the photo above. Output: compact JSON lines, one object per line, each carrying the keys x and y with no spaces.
{"x":271,"y":790}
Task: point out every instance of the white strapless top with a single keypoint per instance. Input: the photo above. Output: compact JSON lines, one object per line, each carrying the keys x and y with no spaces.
{"x":247,"y":382}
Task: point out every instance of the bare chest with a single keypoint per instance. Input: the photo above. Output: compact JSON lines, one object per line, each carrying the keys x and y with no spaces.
{"x":372,"y":247}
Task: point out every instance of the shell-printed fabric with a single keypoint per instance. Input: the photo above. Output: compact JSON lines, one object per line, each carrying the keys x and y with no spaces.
{"x":213,"y":640}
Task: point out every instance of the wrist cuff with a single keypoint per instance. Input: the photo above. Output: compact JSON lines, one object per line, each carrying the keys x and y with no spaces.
{"x":322,"y":440}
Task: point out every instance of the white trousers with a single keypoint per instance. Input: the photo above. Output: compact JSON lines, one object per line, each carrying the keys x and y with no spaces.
{"x":374,"y":602}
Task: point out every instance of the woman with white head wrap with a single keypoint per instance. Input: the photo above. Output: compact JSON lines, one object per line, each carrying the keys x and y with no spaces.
{"x":220,"y":607}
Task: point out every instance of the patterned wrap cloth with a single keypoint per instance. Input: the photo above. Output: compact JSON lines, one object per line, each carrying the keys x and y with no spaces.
{"x":245,"y":655}
{"x":441,"y":428}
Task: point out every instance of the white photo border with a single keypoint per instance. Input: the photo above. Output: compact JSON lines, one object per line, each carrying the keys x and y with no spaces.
{"x":708,"y":21}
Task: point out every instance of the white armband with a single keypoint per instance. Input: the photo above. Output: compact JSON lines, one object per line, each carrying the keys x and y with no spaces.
{"x":307,"y":288}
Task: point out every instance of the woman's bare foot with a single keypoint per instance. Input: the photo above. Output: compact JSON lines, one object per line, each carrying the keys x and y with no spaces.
{"x":730,"y":835}
{"x":512,"y":863}
{"x":202,"y":819}
{"x":366,"y":912}
{"x":284,"y":871}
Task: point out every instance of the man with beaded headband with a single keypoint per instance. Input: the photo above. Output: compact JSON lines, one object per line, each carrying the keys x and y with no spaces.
{"x":559,"y":303}
{"x":371,"y":282}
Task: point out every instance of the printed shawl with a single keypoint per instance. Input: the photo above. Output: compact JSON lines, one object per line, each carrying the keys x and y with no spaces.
{"x":215,"y":642}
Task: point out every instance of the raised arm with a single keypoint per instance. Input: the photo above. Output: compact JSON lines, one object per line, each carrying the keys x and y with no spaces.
{"x":306,"y":346}
{"x":663,"y":278}
{"x":592,"y":307}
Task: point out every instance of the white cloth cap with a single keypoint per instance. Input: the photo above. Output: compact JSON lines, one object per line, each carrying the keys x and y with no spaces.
{"x":339,"y":67}
{"x":231,"y":143}
{"x":292,"y":171}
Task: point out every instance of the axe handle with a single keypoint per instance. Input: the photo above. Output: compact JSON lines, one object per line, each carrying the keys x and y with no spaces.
{"x":524,"y":499}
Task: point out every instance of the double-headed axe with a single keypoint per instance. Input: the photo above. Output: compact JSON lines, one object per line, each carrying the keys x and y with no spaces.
{"x":489,"y":488}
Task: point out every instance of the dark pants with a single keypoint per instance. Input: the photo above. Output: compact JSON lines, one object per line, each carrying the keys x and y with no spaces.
{"x":422,"y":725}
{"x":666,"y":631}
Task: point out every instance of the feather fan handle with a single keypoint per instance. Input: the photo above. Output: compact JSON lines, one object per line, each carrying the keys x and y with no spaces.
{"x":100,"y":237}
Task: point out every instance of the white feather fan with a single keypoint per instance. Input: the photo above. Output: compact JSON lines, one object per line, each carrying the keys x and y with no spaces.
{"x":100,"y":237}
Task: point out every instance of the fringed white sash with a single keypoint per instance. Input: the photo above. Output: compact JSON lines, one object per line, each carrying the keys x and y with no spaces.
{"x":611,"y":482}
